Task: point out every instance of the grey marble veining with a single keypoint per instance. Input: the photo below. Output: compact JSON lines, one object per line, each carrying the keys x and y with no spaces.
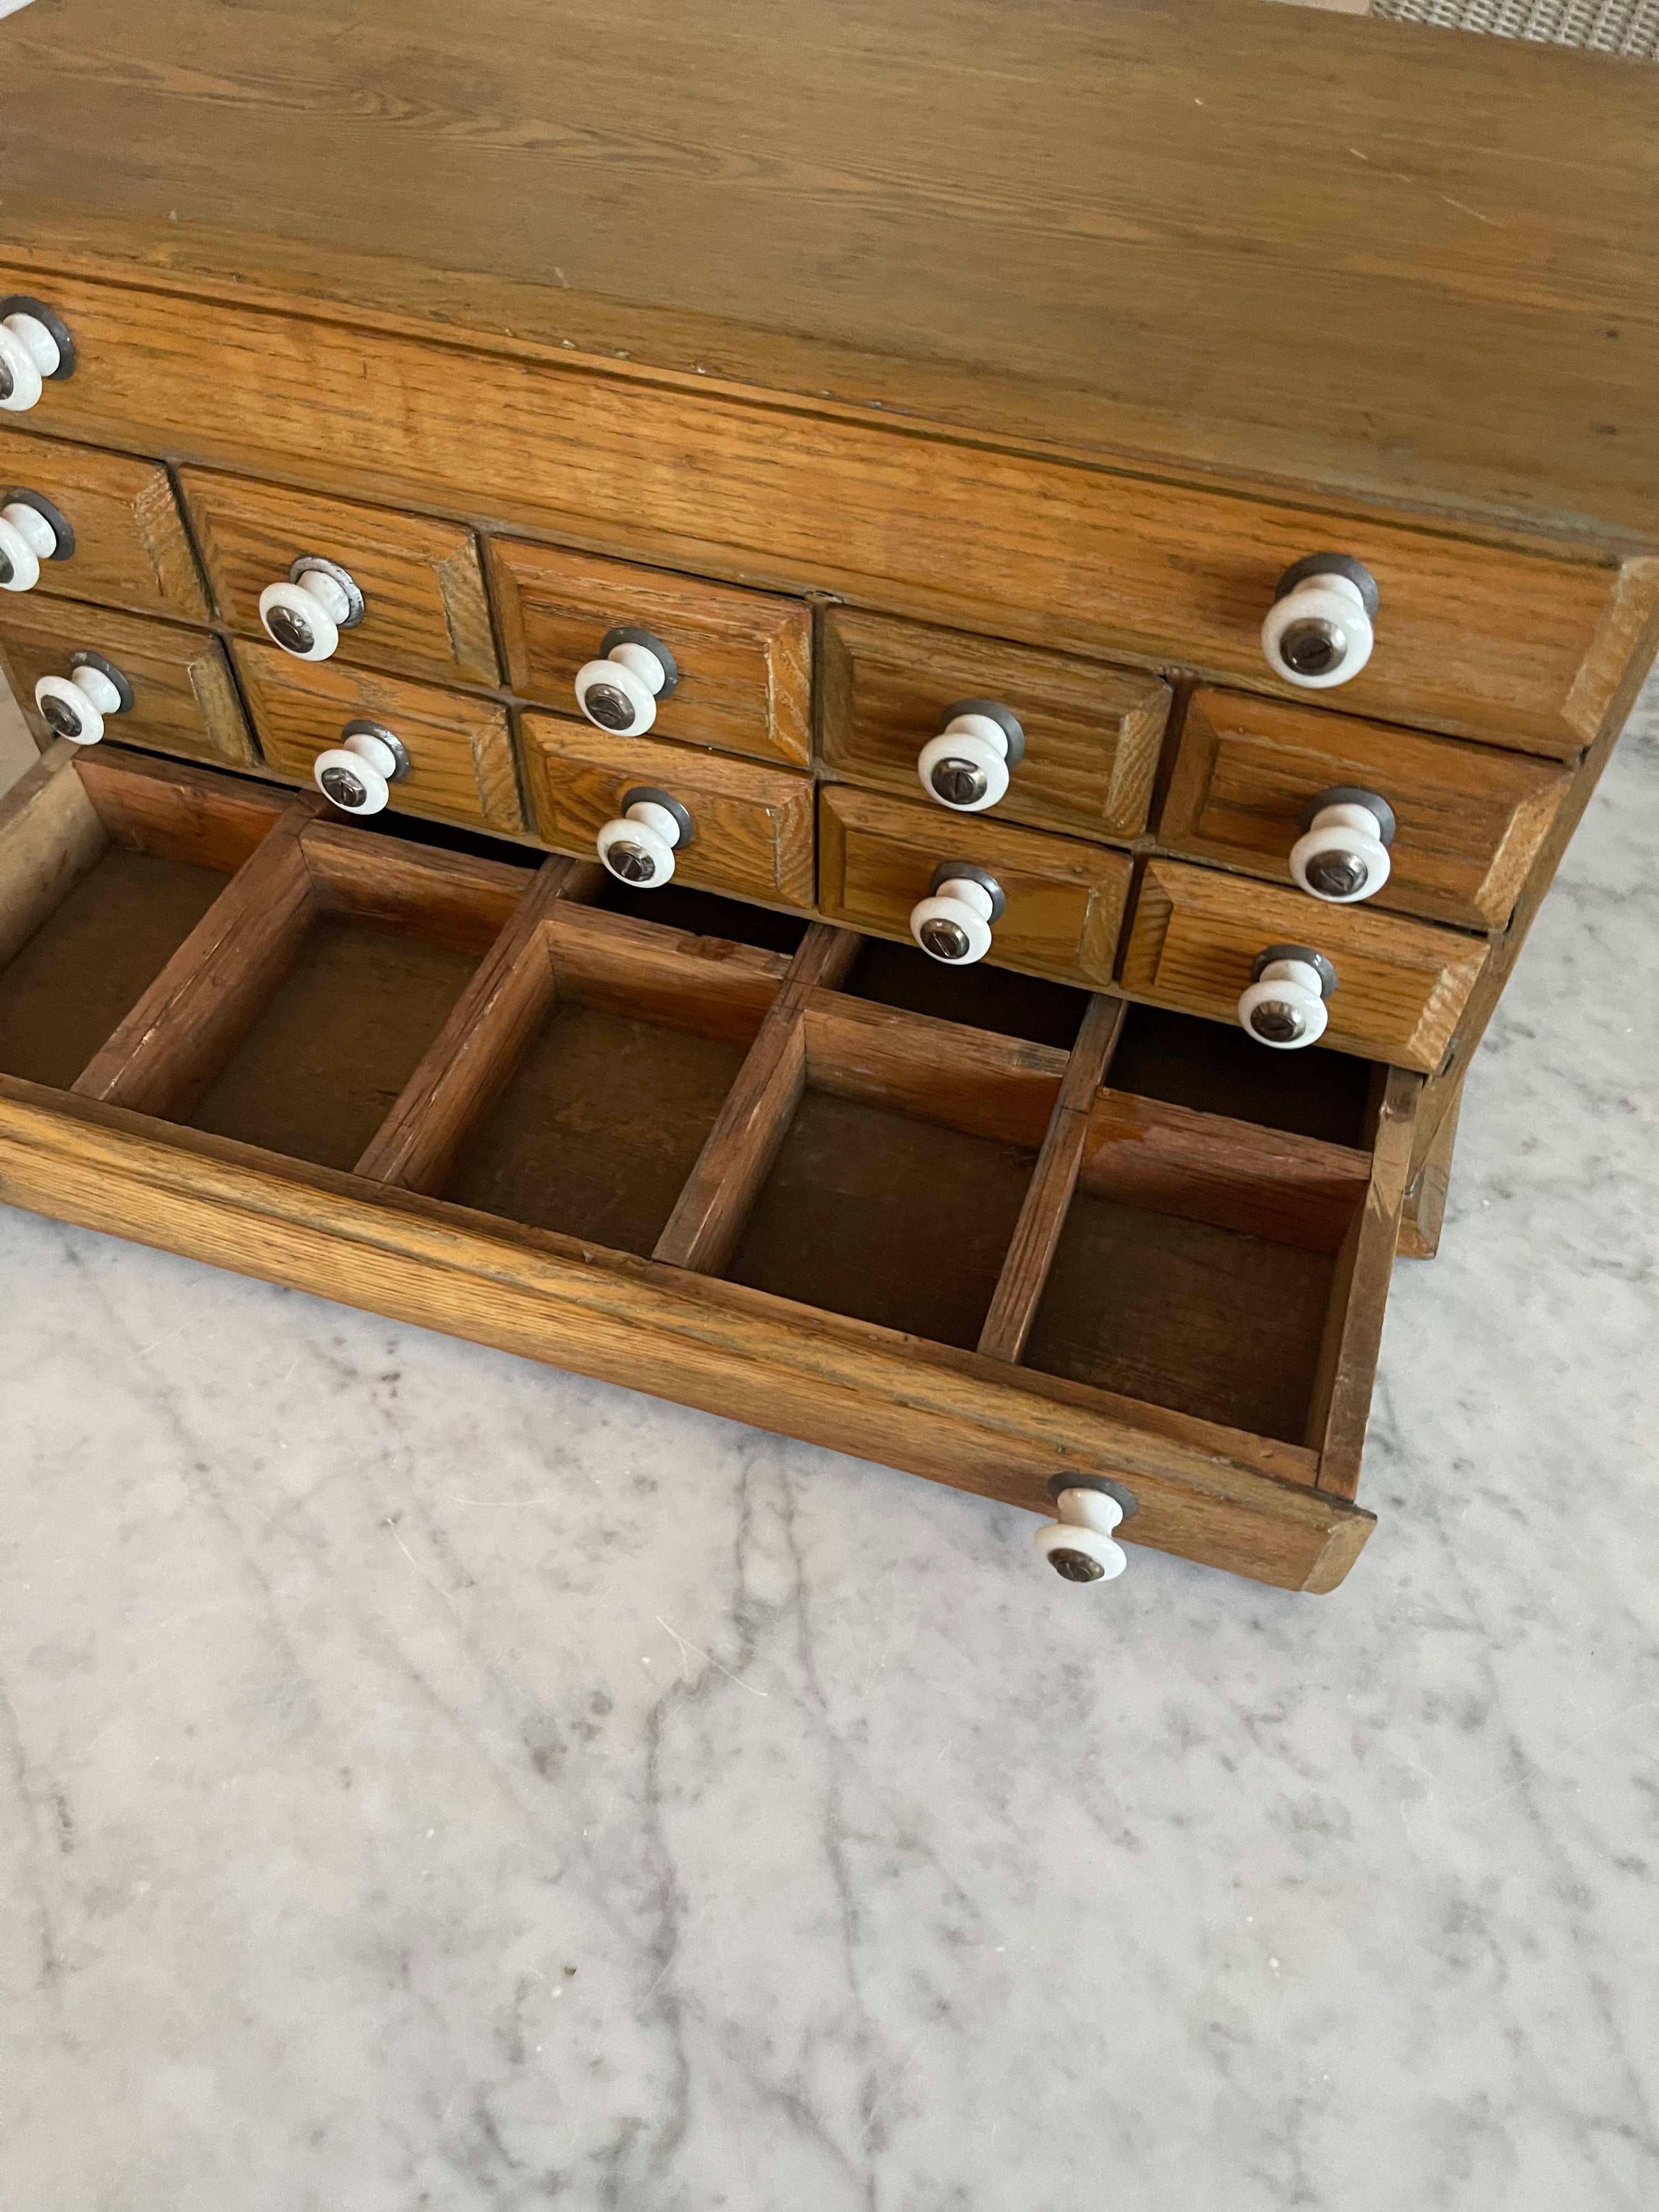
{"x":441,"y":1782}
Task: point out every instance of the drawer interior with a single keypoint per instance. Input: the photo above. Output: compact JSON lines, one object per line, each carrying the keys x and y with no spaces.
{"x":1133,"y":1211}
{"x":895,"y":1190}
{"x":106,"y":875}
{"x":642,"y":1031}
{"x":1215,"y":1322}
{"x":323,"y":1059}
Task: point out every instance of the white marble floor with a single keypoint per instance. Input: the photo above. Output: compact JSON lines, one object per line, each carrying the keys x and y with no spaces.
{"x":440,"y":1782}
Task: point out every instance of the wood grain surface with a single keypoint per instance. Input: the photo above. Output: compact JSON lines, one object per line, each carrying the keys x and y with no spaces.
{"x":50,"y":833}
{"x":174,"y":1041}
{"x":1066,"y":899}
{"x":1480,"y":640}
{"x":425,"y":612}
{"x":1276,"y":244}
{"x":1470,"y":821}
{"x":1400,"y":985}
{"x":1092,"y":730}
{"x":168,"y":807}
{"x":1204,"y":1492}
{"x":130,"y":546}
{"x":1032,"y":1249}
{"x":460,"y":754}
{"x":1341,"y":1399}
{"x":185,"y":697}
{"x":752,"y":825}
{"x":745,"y":658}
{"x":1233,"y":1174}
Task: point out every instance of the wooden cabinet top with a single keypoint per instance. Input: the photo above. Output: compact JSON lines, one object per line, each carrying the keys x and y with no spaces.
{"x":1215,"y":238}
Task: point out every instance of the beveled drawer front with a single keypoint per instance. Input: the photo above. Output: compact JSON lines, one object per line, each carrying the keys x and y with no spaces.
{"x":1092,"y":731}
{"x":744,"y":658}
{"x":184,"y":696}
{"x":460,"y":753}
{"x":131,"y":549}
{"x":1400,"y":985}
{"x":751,"y":827}
{"x":424,"y":608}
{"x":1520,"y":648}
{"x":1469,"y":819}
{"x":877,"y":858}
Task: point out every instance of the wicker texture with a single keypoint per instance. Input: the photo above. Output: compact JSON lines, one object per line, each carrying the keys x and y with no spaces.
{"x":1629,"y":27}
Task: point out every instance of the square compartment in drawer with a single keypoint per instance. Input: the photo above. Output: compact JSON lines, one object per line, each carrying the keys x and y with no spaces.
{"x":107,"y":863}
{"x":1210,"y":1321}
{"x":628,"y":1037}
{"x":294,"y":1015}
{"x":897,"y":1183}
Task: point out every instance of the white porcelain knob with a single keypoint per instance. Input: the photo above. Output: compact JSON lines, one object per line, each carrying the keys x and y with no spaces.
{"x":1079,"y":1545}
{"x":28,"y":354}
{"x":27,"y":539}
{"x":1284,"y":1004}
{"x":639,"y":844}
{"x":358,"y":775}
{"x":1343,"y":852}
{"x":307,"y":612}
{"x":952,"y":924}
{"x":620,"y":691}
{"x":966,"y":767}
{"x":1318,"y":630}
{"x":75,"y":706}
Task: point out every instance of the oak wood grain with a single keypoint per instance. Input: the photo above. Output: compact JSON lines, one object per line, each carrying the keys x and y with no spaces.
{"x":1470,"y":819}
{"x":475,"y":1052}
{"x":1401,"y":985}
{"x":425,"y":612}
{"x":1423,"y":1214}
{"x":1520,"y":648}
{"x":645,"y":971}
{"x":1092,"y":730}
{"x":745,"y":658}
{"x":1031,"y":1251}
{"x":752,"y":825}
{"x":460,"y":754}
{"x":1272,"y":1184}
{"x":51,"y":834}
{"x":130,"y":546}
{"x":173,"y":1042}
{"x":185,"y":695}
{"x":1341,"y":1399}
{"x":181,"y":812}
{"x":1203,"y":1491}
{"x":451,"y":899}
{"x":1065,"y":898}
{"x":1283,"y":244}
{"x":737,"y":1154}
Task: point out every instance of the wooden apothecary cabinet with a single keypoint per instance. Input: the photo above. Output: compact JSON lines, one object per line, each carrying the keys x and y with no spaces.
{"x":914,"y":860}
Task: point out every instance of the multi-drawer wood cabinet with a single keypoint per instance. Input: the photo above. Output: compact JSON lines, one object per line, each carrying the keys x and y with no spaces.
{"x":1029,"y":871}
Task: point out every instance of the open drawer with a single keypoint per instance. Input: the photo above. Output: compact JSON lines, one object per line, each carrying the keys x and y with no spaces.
{"x":723,"y":1156}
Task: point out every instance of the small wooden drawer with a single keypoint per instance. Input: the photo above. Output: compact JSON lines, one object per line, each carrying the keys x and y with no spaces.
{"x":1470,"y":819}
{"x":751,"y":827}
{"x":877,"y":858}
{"x":130,"y":547}
{"x":184,"y":696}
{"x":1092,"y":731}
{"x":460,"y":755}
{"x":1400,"y":985}
{"x":743,"y":658}
{"x":424,"y":611}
